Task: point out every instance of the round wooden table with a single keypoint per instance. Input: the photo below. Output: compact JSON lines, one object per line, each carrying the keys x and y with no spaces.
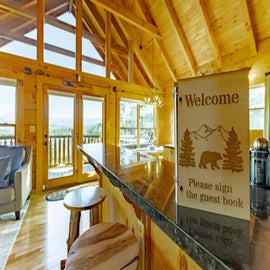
{"x":84,"y":198}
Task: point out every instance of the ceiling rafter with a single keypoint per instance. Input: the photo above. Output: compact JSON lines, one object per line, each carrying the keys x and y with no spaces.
{"x":146,"y":67}
{"x":98,"y":28}
{"x":17,"y":12}
{"x":124,"y":39}
{"x":248,"y":26}
{"x":64,"y":26}
{"x":127,"y":16}
{"x":121,"y":34}
{"x":181,"y":36}
{"x":208,"y":30}
{"x":53,"y":48}
{"x":159,"y":42}
{"x":100,"y":23}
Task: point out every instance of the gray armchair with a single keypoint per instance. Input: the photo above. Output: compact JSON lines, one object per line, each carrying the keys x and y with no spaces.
{"x":14,"y":196}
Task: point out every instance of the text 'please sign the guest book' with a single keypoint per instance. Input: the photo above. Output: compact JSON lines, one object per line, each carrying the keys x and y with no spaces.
{"x":212,"y":143}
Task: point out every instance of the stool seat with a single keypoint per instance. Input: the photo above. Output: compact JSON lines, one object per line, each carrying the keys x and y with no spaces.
{"x":104,"y":246}
{"x":85,"y":198}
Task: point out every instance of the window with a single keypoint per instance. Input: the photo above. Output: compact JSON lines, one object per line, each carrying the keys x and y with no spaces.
{"x":256,"y":107}
{"x":7,"y":111}
{"x":137,"y":122}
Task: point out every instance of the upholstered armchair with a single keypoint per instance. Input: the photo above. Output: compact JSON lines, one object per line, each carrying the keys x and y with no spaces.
{"x":16,"y":177}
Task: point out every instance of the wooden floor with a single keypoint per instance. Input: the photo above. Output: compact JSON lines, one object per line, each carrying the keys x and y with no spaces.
{"x":41,"y":242}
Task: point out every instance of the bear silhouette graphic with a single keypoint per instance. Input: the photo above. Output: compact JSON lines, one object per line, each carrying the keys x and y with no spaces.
{"x":210,"y":157}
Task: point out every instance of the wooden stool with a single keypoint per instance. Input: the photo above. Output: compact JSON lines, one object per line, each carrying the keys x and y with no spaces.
{"x":85,"y":198}
{"x":104,"y":246}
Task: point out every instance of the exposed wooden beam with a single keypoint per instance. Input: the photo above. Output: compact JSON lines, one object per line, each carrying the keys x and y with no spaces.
{"x":159,"y":42}
{"x":96,"y":39}
{"x":146,"y":68}
{"x":97,"y":26}
{"x":53,"y":48}
{"x":127,"y":16}
{"x":96,"y":19}
{"x":208,"y":30}
{"x":248,"y":25}
{"x":166,"y":59}
{"x":181,"y":36}
{"x":70,"y":5}
{"x":17,"y":12}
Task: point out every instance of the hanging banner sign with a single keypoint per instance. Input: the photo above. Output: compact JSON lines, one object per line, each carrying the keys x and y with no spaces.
{"x":212,"y":143}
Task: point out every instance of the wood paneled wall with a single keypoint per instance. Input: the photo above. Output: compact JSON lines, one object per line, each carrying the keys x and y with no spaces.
{"x":29,"y":110}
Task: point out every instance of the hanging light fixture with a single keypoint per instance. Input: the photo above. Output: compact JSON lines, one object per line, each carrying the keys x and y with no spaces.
{"x":153,"y":98}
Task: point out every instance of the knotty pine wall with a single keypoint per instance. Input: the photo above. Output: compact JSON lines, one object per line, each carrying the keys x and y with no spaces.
{"x":29,"y":107}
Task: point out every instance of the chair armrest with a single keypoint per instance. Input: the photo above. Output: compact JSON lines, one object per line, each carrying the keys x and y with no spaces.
{"x":23,"y":180}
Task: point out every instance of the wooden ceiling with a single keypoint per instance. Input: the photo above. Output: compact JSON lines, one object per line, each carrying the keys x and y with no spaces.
{"x":153,"y":42}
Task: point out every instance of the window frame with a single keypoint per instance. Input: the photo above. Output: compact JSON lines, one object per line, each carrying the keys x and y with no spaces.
{"x":138,"y":128}
{"x":252,"y":88}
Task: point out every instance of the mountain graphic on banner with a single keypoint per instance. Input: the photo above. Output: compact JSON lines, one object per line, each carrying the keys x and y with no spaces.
{"x":205,"y":132}
{"x":220,"y":146}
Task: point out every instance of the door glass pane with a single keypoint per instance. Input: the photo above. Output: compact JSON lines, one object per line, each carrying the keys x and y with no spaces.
{"x":92,"y":125}
{"x":7,"y":111}
{"x":61,"y":126}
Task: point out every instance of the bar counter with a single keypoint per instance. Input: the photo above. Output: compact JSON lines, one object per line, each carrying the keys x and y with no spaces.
{"x":213,"y":241}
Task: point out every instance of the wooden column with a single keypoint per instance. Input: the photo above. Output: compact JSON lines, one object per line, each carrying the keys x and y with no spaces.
{"x":130,"y":60}
{"x":108,"y":45}
{"x":40,"y":30}
{"x":79,"y":35}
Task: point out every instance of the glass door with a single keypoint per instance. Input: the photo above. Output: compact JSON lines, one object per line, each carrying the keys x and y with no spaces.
{"x":60,"y":139}
{"x":70,"y":118}
{"x":92,"y":131}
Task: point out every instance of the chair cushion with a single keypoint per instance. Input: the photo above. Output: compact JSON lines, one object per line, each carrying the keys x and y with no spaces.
{"x":16,"y":155}
{"x":5,"y":168}
{"x":7,"y":195}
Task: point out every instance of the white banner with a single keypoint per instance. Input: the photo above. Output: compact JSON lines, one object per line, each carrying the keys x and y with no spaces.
{"x":212,"y":148}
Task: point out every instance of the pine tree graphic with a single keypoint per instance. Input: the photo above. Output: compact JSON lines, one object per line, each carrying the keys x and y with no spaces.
{"x":186,"y":156}
{"x":232,"y":159}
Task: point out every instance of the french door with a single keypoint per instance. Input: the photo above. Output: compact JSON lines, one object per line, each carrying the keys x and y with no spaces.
{"x":70,"y":119}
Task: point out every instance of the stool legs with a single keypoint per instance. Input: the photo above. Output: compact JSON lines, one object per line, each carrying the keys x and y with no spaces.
{"x":74,"y":228}
{"x":94,"y":215}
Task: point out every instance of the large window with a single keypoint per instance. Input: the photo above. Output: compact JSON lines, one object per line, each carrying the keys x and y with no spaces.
{"x":7,"y":111}
{"x":256,"y":107}
{"x":137,"y":122}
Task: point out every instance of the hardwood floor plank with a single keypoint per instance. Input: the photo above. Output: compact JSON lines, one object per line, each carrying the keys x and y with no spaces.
{"x":41,"y":241}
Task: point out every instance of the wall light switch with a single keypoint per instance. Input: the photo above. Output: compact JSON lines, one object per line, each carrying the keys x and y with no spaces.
{"x":32,"y":129}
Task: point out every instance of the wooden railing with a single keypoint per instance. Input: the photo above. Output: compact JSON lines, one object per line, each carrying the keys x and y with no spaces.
{"x":7,"y":140}
{"x":60,"y":148}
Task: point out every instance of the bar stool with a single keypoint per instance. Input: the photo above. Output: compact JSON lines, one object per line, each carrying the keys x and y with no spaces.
{"x":104,"y":246}
{"x":84,"y":198}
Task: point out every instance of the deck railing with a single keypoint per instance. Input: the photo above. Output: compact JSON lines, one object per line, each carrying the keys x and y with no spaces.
{"x":60,"y":148}
{"x":7,"y":140}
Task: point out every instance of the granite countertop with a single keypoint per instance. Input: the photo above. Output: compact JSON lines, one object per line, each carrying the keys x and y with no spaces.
{"x":213,"y":241}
